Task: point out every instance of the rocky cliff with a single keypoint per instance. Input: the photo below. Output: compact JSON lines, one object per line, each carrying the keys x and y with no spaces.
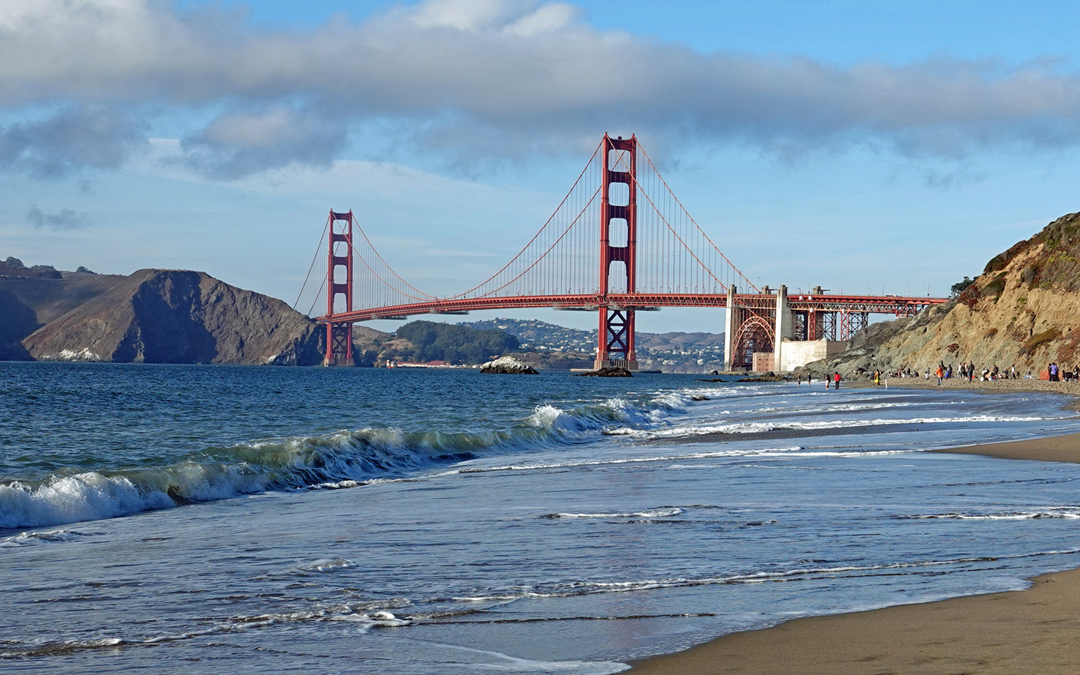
{"x":170,"y":316}
{"x":28,"y":301}
{"x":1023,"y":310}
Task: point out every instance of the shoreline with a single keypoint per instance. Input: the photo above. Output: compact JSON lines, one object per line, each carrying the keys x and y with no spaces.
{"x":993,"y":387}
{"x":1031,"y":630}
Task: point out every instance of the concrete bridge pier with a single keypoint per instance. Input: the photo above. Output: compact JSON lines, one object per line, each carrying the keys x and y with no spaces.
{"x":784,"y":326}
{"x":729,"y":329}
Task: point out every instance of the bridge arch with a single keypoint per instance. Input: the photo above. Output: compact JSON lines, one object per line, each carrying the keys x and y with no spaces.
{"x":755,"y":334}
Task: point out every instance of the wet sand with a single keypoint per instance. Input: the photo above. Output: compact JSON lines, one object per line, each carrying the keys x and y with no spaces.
{"x":1030,"y":631}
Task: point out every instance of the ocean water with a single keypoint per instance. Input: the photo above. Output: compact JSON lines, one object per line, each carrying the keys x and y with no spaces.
{"x":250,"y":520}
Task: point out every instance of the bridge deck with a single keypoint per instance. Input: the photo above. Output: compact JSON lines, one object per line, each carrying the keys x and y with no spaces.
{"x":887,"y":304}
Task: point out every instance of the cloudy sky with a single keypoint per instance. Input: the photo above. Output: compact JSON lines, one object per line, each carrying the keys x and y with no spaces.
{"x":866,"y":147}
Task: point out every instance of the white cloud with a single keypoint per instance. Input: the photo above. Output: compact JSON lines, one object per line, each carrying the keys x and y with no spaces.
{"x":481,"y":79}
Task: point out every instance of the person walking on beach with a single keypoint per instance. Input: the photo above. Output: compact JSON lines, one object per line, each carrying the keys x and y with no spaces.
{"x":940,"y":373}
{"x":836,"y":380}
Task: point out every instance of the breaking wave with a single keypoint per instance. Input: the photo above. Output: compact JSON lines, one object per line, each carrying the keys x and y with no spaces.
{"x":337,"y":460}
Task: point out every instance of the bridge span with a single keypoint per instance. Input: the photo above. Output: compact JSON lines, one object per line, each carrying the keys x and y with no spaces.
{"x":619,"y":243}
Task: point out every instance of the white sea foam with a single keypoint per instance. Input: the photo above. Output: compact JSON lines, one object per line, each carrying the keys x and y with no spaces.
{"x":581,"y":588}
{"x":778,"y":425}
{"x":36,"y":537}
{"x":380,"y":619}
{"x":1066,"y":513}
{"x":648,"y":513}
{"x":542,"y":466}
{"x":329,"y":565}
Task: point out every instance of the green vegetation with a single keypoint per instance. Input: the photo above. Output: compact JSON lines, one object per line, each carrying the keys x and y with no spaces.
{"x":960,"y":286}
{"x":1063,"y":231}
{"x":1038,"y":340}
{"x":996,"y":287}
{"x":1070,"y":344}
{"x":450,"y":342}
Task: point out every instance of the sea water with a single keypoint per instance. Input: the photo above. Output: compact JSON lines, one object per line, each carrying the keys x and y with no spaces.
{"x":218,"y":519}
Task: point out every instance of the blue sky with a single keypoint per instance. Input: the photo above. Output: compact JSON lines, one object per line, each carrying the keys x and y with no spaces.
{"x":865,"y":147}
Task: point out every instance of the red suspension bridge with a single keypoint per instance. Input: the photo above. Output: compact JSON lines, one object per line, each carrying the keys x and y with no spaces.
{"x":620,"y":242}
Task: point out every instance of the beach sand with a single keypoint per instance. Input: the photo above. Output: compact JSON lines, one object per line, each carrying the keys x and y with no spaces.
{"x":1032,"y":631}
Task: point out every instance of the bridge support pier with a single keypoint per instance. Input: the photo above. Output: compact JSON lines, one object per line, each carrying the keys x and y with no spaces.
{"x":618,"y":251}
{"x":340,"y":259}
{"x":729,"y":329}
{"x":616,"y":339}
{"x":784,"y":329}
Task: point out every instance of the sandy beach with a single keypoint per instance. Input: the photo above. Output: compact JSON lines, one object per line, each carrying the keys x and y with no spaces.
{"x":1030,"y":631}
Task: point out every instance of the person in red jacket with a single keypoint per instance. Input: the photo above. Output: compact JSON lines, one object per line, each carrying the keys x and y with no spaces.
{"x":836,"y":380}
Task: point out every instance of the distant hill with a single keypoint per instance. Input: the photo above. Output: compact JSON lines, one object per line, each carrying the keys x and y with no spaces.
{"x":426,"y":341}
{"x":157,"y":316}
{"x":533,"y":333}
{"x":672,"y":352}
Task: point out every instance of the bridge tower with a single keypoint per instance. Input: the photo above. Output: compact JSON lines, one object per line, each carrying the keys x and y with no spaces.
{"x":618,"y":251}
{"x":340,"y":258}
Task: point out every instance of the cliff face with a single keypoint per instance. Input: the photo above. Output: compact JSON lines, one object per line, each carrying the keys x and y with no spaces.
{"x":167,"y":316}
{"x":28,"y":301}
{"x":1023,"y":310}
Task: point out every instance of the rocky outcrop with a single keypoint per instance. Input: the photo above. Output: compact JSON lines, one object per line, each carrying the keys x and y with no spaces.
{"x":1022,"y":311}
{"x":170,"y":316}
{"x":765,"y":377}
{"x":508,"y":365}
{"x":607,"y":371}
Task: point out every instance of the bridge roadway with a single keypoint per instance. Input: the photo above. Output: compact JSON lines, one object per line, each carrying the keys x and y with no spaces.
{"x":886,"y":304}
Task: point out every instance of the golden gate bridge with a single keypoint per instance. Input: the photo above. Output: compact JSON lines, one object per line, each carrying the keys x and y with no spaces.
{"x":619,"y":242}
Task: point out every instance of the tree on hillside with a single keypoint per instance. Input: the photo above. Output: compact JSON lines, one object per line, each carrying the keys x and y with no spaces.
{"x":959,"y":287}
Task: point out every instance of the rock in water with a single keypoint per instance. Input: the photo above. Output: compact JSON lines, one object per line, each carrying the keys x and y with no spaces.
{"x":768,"y":377}
{"x":608,"y":371}
{"x":508,"y":365}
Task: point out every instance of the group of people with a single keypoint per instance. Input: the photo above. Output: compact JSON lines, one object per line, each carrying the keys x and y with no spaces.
{"x":967,"y":371}
{"x":1056,"y":374}
{"x":830,"y":380}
